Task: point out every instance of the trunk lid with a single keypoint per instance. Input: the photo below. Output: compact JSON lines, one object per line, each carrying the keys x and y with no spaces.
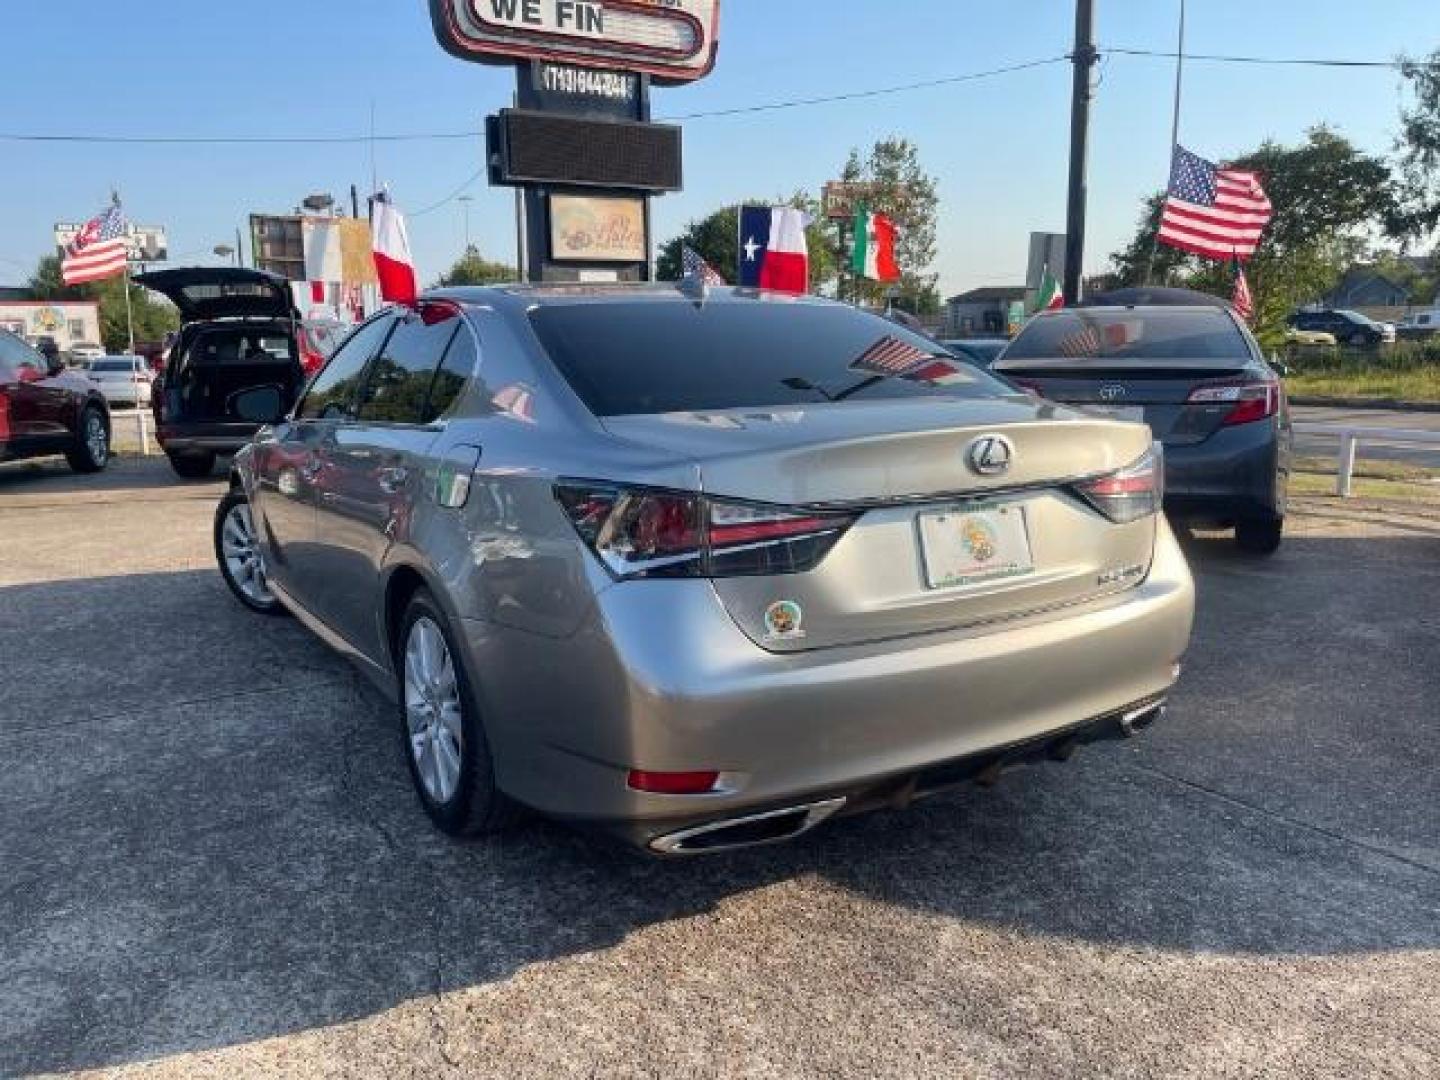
{"x":900,"y":467}
{"x":1156,"y":396}
{"x":223,"y":292}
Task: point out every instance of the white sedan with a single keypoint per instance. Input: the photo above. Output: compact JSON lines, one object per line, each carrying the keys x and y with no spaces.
{"x":123,"y":380}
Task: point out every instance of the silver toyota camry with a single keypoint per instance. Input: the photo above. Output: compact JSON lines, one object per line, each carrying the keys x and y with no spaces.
{"x":704,"y":568}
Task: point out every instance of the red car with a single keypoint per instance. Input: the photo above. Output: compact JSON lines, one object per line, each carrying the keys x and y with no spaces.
{"x":47,"y":409}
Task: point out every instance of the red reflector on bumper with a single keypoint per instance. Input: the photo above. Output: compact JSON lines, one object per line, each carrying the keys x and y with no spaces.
{"x":673,"y":783}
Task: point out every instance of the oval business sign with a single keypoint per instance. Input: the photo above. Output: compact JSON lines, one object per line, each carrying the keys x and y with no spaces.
{"x":672,"y":41}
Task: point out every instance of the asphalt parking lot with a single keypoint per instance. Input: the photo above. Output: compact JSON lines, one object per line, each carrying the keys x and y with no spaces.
{"x":211,"y":861}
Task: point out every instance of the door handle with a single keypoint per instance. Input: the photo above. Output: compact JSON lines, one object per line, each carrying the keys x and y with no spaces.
{"x":392,"y":479}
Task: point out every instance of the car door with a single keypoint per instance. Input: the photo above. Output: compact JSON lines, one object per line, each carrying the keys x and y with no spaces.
{"x":374,"y":466}
{"x":39,"y":406}
{"x":289,"y":467}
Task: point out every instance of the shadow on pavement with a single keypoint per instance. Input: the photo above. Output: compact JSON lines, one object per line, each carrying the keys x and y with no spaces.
{"x":229,"y":848}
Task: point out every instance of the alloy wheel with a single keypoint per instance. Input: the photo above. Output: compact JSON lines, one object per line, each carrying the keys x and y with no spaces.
{"x":432,"y":710}
{"x":97,"y":443}
{"x":244,"y":561}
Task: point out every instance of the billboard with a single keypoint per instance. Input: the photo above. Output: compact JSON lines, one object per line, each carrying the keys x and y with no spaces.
{"x":597,"y":228}
{"x":144,"y":243}
{"x":672,"y":41}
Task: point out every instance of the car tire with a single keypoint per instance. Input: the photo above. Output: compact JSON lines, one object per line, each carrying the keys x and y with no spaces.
{"x":239,"y":555}
{"x":91,"y":452}
{"x":1259,"y":535}
{"x":441,"y":733}
{"x":192,"y":466}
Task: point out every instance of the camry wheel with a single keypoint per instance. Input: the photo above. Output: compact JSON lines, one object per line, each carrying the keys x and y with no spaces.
{"x":241,"y":559}
{"x":444,"y":740}
{"x":92,"y":446}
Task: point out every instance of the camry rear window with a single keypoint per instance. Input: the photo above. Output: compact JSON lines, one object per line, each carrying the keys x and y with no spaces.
{"x":659,"y":356}
{"x":113,"y":365}
{"x":1171,"y":334}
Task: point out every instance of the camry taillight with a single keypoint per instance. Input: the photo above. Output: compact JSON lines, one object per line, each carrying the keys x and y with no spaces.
{"x":1134,"y":492}
{"x":1247,"y":401}
{"x":648,"y":533}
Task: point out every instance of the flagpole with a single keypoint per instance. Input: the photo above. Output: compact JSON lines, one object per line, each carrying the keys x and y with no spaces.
{"x":1174,"y":130}
{"x":130,"y":332}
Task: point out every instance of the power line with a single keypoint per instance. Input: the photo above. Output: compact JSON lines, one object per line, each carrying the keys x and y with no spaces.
{"x":827,"y":99}
{"x":771,"y":106}
{"x":1304,"y":61}
{"x":453,"y":195}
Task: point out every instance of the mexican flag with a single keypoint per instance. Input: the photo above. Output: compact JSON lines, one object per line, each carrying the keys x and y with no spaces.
{"x":874,"y":255}
{"x":1049,"y":298}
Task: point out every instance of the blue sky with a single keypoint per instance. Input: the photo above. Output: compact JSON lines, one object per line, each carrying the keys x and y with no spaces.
{"x":997,"y":146}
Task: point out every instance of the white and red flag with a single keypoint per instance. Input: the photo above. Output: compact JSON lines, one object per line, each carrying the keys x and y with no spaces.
{"x":393,"y":263}
{"x":98,"y":251}
{"x":1212,"y":211}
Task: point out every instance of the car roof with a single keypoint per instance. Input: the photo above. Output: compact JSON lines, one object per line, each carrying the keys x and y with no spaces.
{"x":565,"y":294}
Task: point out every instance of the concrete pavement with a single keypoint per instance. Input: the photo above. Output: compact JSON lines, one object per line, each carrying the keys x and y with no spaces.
{"x":1328,"y":446}
{"x":211,"y":862}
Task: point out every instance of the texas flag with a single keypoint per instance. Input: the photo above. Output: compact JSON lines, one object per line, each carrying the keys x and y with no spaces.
{"x":393,"y":263}
{"x":773,"y":253}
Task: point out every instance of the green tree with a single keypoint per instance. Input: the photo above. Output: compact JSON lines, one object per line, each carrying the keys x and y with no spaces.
{"x":473,"y":269}
{"x":1329,"y":199}
{"x":1419,"y":151}
{"x":716,"y":238}
{"x":153,"y":317}
{"x":902,"y":190}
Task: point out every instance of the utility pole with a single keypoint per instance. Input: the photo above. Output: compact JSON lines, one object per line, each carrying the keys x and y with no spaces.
{"x":1084,"y":58}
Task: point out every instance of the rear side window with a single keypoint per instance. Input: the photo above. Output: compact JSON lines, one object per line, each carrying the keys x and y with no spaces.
{"x":456,"y":368}
{"x":663,"y":355}
{"x":397,"y":387}
{"x":1174,"y":335}
{"x":333,"y":392}
{"x":15,"y":355}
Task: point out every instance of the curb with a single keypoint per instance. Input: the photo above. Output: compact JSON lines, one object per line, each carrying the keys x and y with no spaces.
{"x":1367,"y":403}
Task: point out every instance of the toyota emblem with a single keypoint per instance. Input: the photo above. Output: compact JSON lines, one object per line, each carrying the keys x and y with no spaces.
{"x":990,"y":455}
{"x":1113,"y":392}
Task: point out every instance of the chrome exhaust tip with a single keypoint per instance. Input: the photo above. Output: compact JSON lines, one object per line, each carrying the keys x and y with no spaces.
{"x":751,"y":830}
{"x":1137,"y":720}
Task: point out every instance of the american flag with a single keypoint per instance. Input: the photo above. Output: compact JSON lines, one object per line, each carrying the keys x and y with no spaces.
{"x":98,"y":250}
{"x":695,"y":266}
{"x":1241,"y":300}
{"x":1210,"y":211}
{"x":891,"y":356}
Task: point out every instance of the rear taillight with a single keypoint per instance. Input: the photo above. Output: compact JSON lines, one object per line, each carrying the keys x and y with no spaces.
{"x":1134,"y":492}
{"x":1247,"y":401}
{"x":647,"y":533}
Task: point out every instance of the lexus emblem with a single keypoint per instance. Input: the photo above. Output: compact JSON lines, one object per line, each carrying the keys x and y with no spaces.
{"x":1112,"y":393}
{"x":990,"y":455}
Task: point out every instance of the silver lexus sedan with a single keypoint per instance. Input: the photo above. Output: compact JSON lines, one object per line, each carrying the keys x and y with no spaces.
{"x":704,"y":568}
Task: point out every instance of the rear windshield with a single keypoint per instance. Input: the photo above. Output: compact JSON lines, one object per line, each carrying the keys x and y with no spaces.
{"x":659,"y":356}
{"x":1184,"y":335}
{"x":114,"y":365}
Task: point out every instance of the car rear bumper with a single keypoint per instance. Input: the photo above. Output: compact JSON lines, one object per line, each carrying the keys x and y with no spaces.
{"x":205,"y":438}
{"x":660,"y":678}
{"x":1234,"y":473}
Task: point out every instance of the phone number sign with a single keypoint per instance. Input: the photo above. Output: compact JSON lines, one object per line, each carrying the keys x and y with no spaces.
{"x":672,"y":41}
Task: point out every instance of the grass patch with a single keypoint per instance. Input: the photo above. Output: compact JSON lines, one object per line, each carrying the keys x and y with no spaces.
{"x":1373,"y":479}
{"x":1421,"y":384}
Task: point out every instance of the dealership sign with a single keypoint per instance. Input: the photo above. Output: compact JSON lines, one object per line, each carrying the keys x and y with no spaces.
{"x":143,"y":243}
{"x":672,"y":41}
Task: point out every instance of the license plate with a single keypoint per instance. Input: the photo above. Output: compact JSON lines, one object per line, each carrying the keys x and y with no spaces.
{"x":969,"y":547}
{"x":1132,"y":413}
